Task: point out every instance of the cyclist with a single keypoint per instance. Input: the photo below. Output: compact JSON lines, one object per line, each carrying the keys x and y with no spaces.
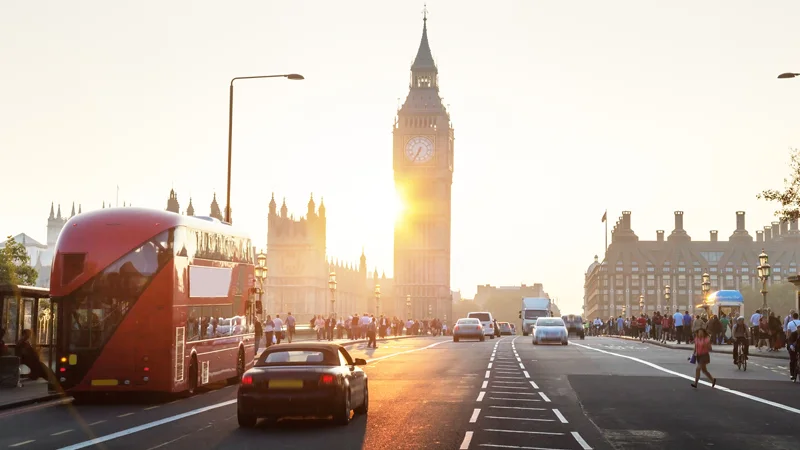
{"x":741,"y":335}
{"x":792,"y":328}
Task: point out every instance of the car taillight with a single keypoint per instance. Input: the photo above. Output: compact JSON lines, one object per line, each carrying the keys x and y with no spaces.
{"x":327,"y":379}
{"x":247,"y":380}
{"x":491,"y":325}
{"x":455,"y":328}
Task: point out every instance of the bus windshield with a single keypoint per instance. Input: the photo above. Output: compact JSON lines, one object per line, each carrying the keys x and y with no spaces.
{"x":92,"y":312}
{"x":531,"y":314}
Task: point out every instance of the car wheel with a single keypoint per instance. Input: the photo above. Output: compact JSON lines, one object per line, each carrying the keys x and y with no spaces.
{"x":342,"y":416}
{"x":491,"y":337}
{"x":483,"y":338}
{"x":245,"y":420}
{"x":455,"y":339}
{"x":564,"y":343}
{"x":364,"y":408}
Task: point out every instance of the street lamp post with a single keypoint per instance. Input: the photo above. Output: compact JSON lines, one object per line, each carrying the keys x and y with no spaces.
{"x":706,"y":286}
{"x":668,"y":295}
{"x":378,"y":300}
{"x":291,"y":76}
{"x":332,"y":287}
{"x":261,"y":272}
{"x":641,"y":304}
{"x":764,"y":272}
{"x":408,"y":305}
{"x":430,"y":311}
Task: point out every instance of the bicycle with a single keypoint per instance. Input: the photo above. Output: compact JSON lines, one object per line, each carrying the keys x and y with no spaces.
{"x":742,"y":361}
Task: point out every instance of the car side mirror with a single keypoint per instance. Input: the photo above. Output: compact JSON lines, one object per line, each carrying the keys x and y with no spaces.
{"x":359,"y":362}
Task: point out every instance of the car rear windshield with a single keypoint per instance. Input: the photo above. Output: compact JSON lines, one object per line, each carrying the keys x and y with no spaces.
{"x":297,"y":358}
{"x":549,"y":323}
{"x":469,"y":321}
{"x":483,"y":317}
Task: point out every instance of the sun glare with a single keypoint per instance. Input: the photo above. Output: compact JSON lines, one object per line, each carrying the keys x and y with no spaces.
{"x":398,"y":207}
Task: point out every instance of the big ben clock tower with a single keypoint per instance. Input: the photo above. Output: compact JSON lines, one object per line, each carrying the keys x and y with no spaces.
{"x":423,"y":174}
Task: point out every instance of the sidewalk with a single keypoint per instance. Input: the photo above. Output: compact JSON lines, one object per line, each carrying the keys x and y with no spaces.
{"x":36,"y":391}
{"x":342,"y":341}
{"x":30,"y":392}
{"x":781,"y":354}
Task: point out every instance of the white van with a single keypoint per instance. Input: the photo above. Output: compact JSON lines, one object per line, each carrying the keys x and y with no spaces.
{"x":486,"y":320}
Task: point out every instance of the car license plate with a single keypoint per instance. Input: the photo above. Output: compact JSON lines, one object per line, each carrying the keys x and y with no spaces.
{"x":285,"y":384}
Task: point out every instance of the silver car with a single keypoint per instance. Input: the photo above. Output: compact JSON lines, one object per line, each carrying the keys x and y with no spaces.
{"x":550,"y":329}
{"x":468,"y":328}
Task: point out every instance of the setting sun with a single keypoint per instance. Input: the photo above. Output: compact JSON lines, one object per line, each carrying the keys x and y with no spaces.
{"x":397,"y":207}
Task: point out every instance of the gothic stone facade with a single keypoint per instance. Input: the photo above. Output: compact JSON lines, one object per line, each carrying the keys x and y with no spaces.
{"x":423,"y":171}
{"x":632,"y":267}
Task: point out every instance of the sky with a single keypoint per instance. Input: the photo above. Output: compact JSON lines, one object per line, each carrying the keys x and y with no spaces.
{"x":561,"y":110}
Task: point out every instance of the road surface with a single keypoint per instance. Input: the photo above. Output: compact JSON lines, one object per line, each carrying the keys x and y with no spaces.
{"x":432,"y":393}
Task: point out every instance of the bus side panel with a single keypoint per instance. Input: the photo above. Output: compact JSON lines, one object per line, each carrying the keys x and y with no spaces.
{"x":137,"y":351}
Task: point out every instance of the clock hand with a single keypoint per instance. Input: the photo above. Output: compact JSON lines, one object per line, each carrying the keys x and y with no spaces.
{"x":417,"y":155}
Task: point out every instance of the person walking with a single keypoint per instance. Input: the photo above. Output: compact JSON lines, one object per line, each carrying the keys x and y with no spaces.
{"x":291,"y":322}
{"x":259,"y":333}
{"x":702,"y":352}
{"x":269,"y":331}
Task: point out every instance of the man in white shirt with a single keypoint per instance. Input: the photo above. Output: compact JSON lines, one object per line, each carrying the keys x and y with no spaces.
{"x":290,"y":325}
{"x":754,"y":321}
{"x":278,"y":328}
{"x":678,"y":318}
{"x":791,"y":334}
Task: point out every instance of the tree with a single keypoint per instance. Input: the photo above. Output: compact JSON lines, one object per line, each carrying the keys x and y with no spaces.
{"x":780,"y":298}
{"x":789,"y":198}
{"x":15,"y":265}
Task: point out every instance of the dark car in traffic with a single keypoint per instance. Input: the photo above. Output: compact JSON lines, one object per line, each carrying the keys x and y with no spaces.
{"x":303,"y":380}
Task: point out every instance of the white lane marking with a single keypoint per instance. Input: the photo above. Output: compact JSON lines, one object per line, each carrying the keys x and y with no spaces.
{"x":521,"y":366}
{"x":580,"y":440}
{"x":547,"y":433}
{"x":96,"y":423}
{"x":519,"y":407}
{"x":511,"y":387}
{"x":560,"y":416}
{"x":491,"y":359}
{"x":509,"y":382}
{"x":22,"y":443}
{"x":525,"y":372}
{"x":518,"y":447}
{"x":147,"y":426}
{"x":475,"y":413}
{"x":480,"y":396}
{"x":61,"y":432}
{"x":544,"y":397}
{"x":516,"y":399}
{"x":519,"y":418}
{"x":466,"y":441}
{"x":125,"y":415}
{"x":507,"y":378}
{"x":505,"y":371}
{"x":512,"y":393}
{"x":534,"y":385}
{"x":519,"y":359}
{"x":687,"y":377}
{"x":485,"y":384}
{"x":152,"y":407}
{"x":489,"y":366}
{"x":487,"y":374}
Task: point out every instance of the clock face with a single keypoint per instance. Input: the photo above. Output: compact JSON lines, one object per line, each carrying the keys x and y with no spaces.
{"x":419,"y":149}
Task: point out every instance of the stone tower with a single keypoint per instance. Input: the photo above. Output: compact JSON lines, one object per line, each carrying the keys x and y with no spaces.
{"x":172,"y":202}
{"x":54,"y":225}
{"x":423,"y":173}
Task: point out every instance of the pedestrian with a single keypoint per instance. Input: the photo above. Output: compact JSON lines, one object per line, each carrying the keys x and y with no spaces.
{"x":259,"y":331}
{"x":702,"y":353}
{"x":372,"y":328}
{"x":792,"y":328}
{"x":290,"y":327}
{"x":269,"y":330}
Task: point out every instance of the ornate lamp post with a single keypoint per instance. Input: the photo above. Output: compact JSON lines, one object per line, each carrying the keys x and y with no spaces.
{"x":624,"y":311}
{"x":260,"y":272}
{"x":408,"y":305}
{"x":430,"y":311}
{"x":764,"y":272}
{"x":641,"y":303}
{"x":332,"y":287}
{"x":667,"y":296}
{"x":706,"y":285}
{"x":378,"y":300}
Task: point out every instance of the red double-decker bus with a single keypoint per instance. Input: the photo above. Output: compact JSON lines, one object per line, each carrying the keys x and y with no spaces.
{"x":151,"y":300}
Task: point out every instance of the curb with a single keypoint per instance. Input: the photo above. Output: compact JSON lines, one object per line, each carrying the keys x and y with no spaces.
{"x":728,"y":352}
{"x":31,"y":401}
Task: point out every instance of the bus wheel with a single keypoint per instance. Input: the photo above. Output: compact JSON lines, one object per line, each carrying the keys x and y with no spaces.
{"x":193,"y":376}
{"x":239,"y":368}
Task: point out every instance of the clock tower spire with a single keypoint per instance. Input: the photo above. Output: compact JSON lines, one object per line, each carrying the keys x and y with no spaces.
{"x":423,"y":172}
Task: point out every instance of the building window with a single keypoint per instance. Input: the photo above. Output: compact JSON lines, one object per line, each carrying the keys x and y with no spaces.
{"x":651,"y":269}
{"x":729,"y":270}
{"x":746,"y":279}
{"x":778,"y":269}
{"x":712,"y":257}
{"x":681,"y":269}
{"x":620,"y":281}
{"x":651,"y":281}
{"x":776,"y":279}
{"x":666,"y":269}
{"x":635,"y":281}
{"x":745,"y":270}
{"x":682,"y":281}
{"x":698,"y":280}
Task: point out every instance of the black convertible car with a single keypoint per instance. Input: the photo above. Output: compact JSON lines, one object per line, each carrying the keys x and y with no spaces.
{"x":302,"y":380}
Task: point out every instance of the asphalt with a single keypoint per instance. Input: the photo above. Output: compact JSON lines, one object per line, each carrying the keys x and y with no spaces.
{"x":432,"y":393}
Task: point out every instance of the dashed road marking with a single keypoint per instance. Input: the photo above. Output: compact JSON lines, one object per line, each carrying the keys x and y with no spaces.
{"x":96,"y":423}
{"x":544,"y":397}
{"x":484,"y":385}
{"x":521,"y":366}
{"x":19,"y":444}
{"x":546,"y":433}
{"x":487,"y":374}
{"x":125,"y":415}
{"x":519,"y":407}
{"x":152,"y":407}
{"x":466,"y":441}
{"x":581,"y":442}
{"x":511,"y":387}
{"x":475,"y":413}
{"x":533,"y":383}
{"x":480,"y":396}
{"x":514,"y":393}
{"x":519,"y":418}
{"x":516,"y":399}
{"x":525,"y":372}
{"x":61,"y":432}
{"x":489,"y":366}
{"x":560,"y":416}
{"x":509,"y":382}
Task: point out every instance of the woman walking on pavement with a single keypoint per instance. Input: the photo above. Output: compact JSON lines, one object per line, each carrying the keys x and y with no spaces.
{"x":702,"y":351}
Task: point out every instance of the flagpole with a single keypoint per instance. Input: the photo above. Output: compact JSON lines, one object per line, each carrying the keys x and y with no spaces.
{"x":606,"y":235}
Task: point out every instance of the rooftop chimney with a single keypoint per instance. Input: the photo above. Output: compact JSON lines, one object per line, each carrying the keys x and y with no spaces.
{"x":660,"y":235}
{"x":776,"y":230}
{"x":714,"y":236}
{"x":740,"y":221}
{"x":626,"y":220}
{"x":679,"y":220}
{"x":759,"y":236}
{"x":767,"y":234}
{"x":784,"y":227}
{"x":793,"y":225}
